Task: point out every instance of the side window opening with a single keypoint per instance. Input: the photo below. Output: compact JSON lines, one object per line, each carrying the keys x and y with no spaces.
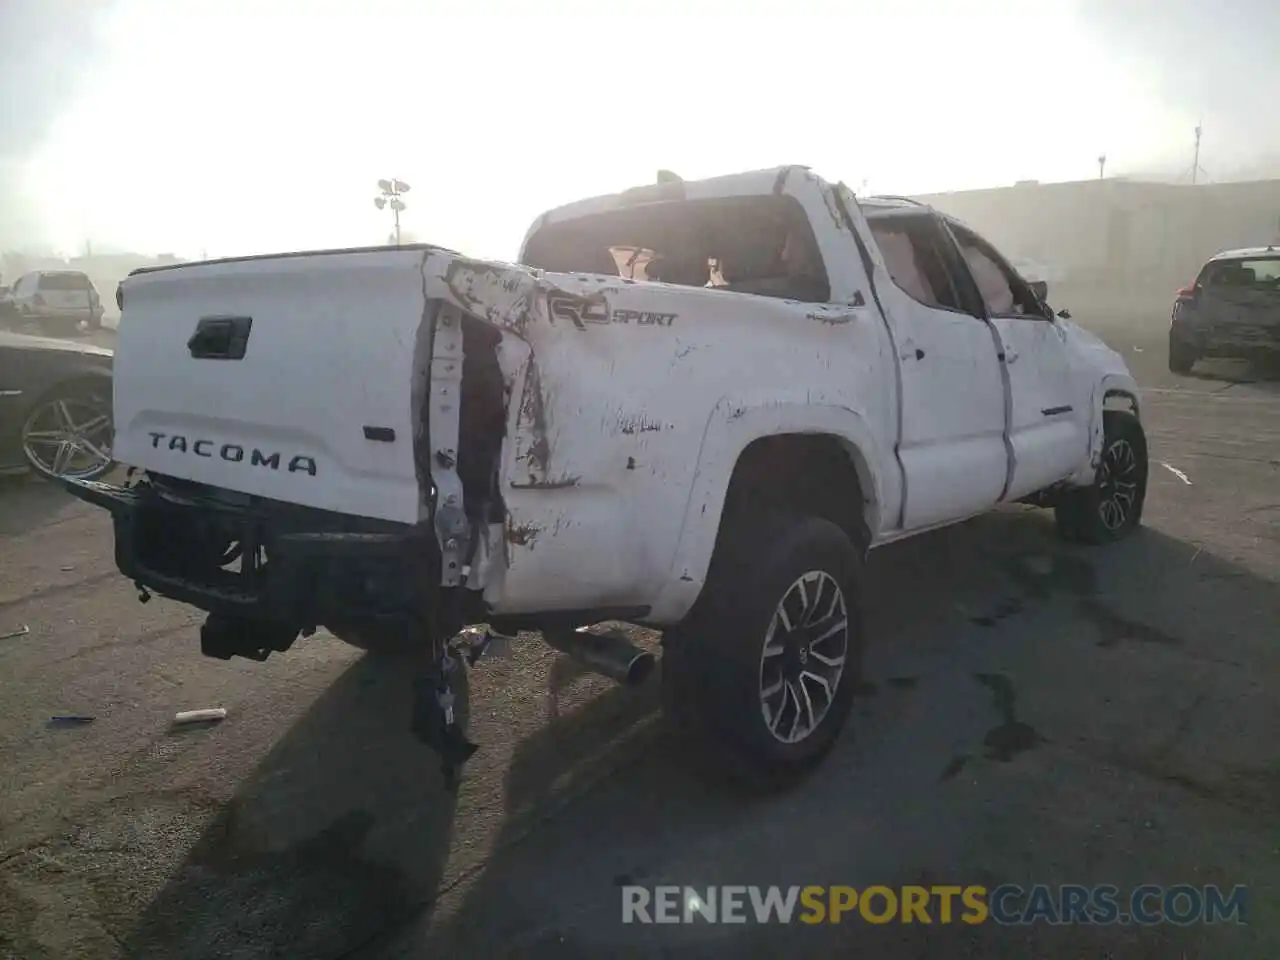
{"x":915,"y":263}
{"x":1004,"y":293}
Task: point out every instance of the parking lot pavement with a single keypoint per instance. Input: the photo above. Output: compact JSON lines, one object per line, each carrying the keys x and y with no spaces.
{"x":1033,"y":714}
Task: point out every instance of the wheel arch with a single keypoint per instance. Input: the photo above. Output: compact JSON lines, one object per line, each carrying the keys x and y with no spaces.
{"x":71,"y":379}
{"x":764,"y":449}
{"x":1116,"y":391}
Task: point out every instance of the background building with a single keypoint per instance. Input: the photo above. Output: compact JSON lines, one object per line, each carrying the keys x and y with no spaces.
{"x":1124,"y":241}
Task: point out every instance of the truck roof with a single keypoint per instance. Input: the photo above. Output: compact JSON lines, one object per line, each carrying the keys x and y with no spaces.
{"x":885,"y":206}
{"x":745,"y":183}
{"x":1246,"y":252}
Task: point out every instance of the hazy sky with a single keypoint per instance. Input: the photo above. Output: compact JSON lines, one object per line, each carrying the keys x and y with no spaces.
{"x":243,"y":126}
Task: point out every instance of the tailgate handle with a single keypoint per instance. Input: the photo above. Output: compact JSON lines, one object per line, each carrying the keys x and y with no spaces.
{"x":220,"y":338}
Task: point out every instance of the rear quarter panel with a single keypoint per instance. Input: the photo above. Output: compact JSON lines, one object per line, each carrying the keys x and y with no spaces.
{"x":630,"y":408}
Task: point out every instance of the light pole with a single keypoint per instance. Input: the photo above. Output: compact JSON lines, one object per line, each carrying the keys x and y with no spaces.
{"x":1196,"y":169}
{"x":390,"y":193}
{"x":1102,"y":166}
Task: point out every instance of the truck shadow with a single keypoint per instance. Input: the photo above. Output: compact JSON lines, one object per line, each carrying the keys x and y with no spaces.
{"x":336,"y":846}
{"x":27,"y":504}
{"x":341,"y":831}
{"x":645,"y":816}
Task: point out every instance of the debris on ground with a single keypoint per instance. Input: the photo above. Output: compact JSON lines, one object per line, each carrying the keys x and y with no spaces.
{"x":22,"y":631}
{"x":198,"y":716}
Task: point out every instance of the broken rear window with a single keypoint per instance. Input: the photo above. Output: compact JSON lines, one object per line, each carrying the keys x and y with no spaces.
{"x":757,"y":244}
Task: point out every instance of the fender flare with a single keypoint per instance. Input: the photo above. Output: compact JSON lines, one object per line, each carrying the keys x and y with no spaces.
{"x":1111,"y":385}
{"x":733,"y":425}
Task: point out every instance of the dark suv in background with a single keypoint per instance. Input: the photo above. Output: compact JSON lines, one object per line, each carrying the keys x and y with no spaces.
{"x":1232,"y":310}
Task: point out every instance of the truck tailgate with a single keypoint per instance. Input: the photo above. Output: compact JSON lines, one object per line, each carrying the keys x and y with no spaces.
{"x":318,"y":408}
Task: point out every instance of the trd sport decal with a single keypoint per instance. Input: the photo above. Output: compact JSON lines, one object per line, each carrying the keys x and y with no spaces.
{"x":581,"y":312}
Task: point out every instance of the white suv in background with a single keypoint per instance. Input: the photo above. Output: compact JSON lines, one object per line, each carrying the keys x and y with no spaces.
{"x":55,"y":301}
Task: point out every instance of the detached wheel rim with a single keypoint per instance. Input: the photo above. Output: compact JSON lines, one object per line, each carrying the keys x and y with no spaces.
{"x":1117,"y":484}
{"x":803,"y":658}
{"x":69,"y":437}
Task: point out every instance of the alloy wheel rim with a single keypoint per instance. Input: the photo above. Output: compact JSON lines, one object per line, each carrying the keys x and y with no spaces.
{"x":69,"y":437}
{"x":1117,"y":484}
{"x":803,"y":658}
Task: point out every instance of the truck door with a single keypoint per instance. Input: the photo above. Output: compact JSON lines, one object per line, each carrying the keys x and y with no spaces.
{"x":1048,"y":425}
{"x":952,"y":441}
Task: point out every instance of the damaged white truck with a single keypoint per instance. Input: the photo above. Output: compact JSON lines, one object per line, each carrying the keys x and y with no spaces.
{"x":693,"y":406}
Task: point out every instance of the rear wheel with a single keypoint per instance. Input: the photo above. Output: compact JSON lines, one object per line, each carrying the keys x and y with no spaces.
{"x":761,"y":676}
{"x":69,"y":432}
{"x":1181,"y":356}
{"x":1111,"y":508}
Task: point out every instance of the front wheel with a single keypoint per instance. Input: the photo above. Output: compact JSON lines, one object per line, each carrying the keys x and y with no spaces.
{"x":1111,"y":508}
{"x":763,"y":673}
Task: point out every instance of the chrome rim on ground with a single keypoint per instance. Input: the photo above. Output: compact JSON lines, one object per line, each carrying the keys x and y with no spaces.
{"x":1117,"y":484}
{"x":69,"y":437}
{"x":803,"y":657}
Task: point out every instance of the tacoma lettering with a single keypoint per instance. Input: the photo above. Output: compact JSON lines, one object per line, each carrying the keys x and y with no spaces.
{"x":233,"y":453}
{"x":258,"y":460}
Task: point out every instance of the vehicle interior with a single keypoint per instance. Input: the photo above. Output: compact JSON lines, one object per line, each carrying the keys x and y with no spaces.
{"x":758,"y":244}
{"x":1257,"y":274}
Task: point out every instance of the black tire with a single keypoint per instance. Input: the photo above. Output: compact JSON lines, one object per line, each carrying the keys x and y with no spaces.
{"x":1181,"y":356}
{"x":1089,"y":514}
{"x":714,"y":669}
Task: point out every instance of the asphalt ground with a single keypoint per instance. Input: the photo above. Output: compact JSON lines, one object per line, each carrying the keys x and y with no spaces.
{"x":1033,"y":714}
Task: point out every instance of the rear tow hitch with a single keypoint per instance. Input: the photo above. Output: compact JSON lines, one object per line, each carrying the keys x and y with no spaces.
{"x":223,"y":637}
{"x":434,"y":721}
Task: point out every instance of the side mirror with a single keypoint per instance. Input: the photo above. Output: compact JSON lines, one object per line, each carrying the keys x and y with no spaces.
{"x":1041,"y":289}
{"x":1064,"y":314}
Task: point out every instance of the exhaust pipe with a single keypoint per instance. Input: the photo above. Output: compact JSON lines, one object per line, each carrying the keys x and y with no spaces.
{"x":607,"y":653}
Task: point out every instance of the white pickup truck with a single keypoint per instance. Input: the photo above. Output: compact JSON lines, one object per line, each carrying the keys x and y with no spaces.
{"x":693,"y":406}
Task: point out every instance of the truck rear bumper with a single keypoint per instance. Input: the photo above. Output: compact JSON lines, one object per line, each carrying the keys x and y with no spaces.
{"x":297,"y":567}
